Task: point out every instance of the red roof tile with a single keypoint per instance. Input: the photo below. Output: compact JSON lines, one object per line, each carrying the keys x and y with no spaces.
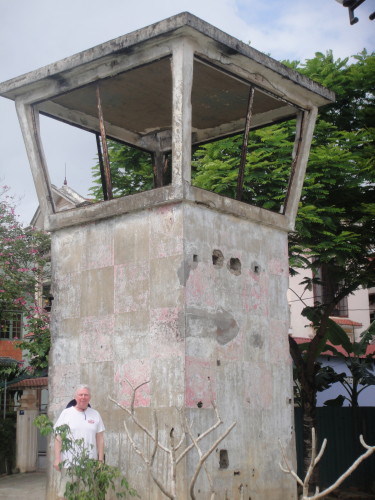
{"x":30,"y":382}
{"x":339,"y":348}
{"x":345,"y":321}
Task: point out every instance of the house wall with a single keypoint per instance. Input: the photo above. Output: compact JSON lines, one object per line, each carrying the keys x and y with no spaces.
{"x":358,"y":306}
{"x":367,"y":396}
{"x":10,"y":349}
{"x":140,"y":296}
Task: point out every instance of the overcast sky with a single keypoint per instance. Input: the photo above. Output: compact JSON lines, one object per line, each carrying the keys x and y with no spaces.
{"x":34,"y":33}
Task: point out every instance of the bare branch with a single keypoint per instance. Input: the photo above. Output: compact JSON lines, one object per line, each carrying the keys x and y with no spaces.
{"x":171,"y":490}
{"x":341,"y":479}
{"x":206,"y":455}
{"x":134,"y":390}
{"x":203,"y":435}
{"x":288,"y":469}
{"x":156,"y":441}
{"x":314,"y":460}
{"x":137,"y":422}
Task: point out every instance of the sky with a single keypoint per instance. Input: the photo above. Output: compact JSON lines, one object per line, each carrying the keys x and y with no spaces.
{"x":34,"y":33}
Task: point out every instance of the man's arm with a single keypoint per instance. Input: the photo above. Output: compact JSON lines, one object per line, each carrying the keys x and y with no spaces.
{"x":57,"y":460}
{"x":100,"y":445}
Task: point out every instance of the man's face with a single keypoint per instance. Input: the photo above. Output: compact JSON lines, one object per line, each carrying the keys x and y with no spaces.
{"x":83,"y":398}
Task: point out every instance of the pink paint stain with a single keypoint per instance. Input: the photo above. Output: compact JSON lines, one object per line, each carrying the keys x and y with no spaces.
{"x":96,"y":339}
{"x":200,"y":386}
{"x":137,"y":372}
{"x":278,"y":267}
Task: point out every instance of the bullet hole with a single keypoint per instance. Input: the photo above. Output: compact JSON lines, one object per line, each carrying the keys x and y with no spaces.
{"x":217,"y":258}
{"x":223,"y":459}
{"x":218,"y":362}
{"x":236,"y":473}
{"x":195,"y":258}
{"x":255,"y":268}
{"x":234,"y":266}
{"x":199,"y":404}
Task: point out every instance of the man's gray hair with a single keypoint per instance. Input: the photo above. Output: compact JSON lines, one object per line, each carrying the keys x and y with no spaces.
{"x":82,"y":386}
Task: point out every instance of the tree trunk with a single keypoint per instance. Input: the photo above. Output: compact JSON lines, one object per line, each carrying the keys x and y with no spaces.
{"x":308,"y":396}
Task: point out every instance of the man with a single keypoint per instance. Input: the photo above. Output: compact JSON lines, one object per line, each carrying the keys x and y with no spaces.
{"x":84,"y":423}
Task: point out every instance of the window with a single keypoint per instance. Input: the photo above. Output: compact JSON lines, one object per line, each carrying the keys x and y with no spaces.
{"x":371,"y":300}
{"x":11,"y":325}
{"x":327,"y":289}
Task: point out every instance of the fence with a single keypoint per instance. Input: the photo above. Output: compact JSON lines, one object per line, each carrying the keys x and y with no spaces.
{"x":342,"y":427}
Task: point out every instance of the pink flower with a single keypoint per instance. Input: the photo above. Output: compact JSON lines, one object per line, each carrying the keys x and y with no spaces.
{"x":20,"y":300}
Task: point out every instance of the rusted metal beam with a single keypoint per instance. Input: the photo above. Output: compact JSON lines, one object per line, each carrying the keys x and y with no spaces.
{"x":160,"y":164}
{"x":101,"y":165}
{"x":104,"y":149}
{"x":241,"y":169}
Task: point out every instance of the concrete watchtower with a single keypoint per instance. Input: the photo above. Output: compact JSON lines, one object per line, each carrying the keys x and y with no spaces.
{"x":176,"y":286}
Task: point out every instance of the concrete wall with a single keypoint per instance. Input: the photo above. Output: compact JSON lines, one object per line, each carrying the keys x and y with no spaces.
{"x":176,"y":294}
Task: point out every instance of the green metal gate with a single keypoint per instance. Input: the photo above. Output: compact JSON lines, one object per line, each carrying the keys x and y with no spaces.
{"x":342,"y":428}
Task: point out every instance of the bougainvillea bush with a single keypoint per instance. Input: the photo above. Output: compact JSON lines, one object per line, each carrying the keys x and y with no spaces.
{"x":24,"y":265}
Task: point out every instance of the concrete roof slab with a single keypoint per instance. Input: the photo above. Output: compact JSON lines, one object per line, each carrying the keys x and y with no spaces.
{"x":136,"y":89}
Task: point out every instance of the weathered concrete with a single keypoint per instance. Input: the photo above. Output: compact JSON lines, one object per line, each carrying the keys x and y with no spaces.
{"x":139,"y":296}
{"x":26,"y":440}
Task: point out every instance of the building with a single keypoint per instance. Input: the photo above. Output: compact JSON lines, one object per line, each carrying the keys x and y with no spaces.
{"x":354,"y":314}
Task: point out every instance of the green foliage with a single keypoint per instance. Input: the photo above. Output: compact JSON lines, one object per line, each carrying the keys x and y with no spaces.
{"x":9,"y":371}
{"x":38,"y":343}
{"x":325,"y":377}
{"x":23,"y":268}
{"x":22,"y":257}
{"x":267,"y":169}
{"x":131,"y":171}
{"x":361,"y":366}
{"x":353,"y":84}
{"x":89,"y":479}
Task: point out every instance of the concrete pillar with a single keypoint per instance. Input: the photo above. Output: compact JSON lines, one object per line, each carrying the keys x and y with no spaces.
{"x":182,"y":75}
{"x":27,"y":438}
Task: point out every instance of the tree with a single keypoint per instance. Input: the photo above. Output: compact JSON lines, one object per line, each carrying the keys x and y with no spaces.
{"x":88,"y":479}
{"x":335,"y":226}
{"x":335,"y":222}
{"x":131,"y":171}
{"x":23,"y":262}
{"x":359,"y":364}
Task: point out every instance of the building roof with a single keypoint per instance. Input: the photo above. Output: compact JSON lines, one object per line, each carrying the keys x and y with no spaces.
{"x":346,"y":322}
{"x":339,"y":348}
{"x":7,"y":361}
{"x":65,"y":198}
{"x":30,"y":382}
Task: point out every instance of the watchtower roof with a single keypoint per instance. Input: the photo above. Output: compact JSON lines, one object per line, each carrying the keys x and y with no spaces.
{"x":136,"y":88}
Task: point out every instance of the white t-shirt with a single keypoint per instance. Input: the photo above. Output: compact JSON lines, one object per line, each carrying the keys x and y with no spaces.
{"x":83,"y":425}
